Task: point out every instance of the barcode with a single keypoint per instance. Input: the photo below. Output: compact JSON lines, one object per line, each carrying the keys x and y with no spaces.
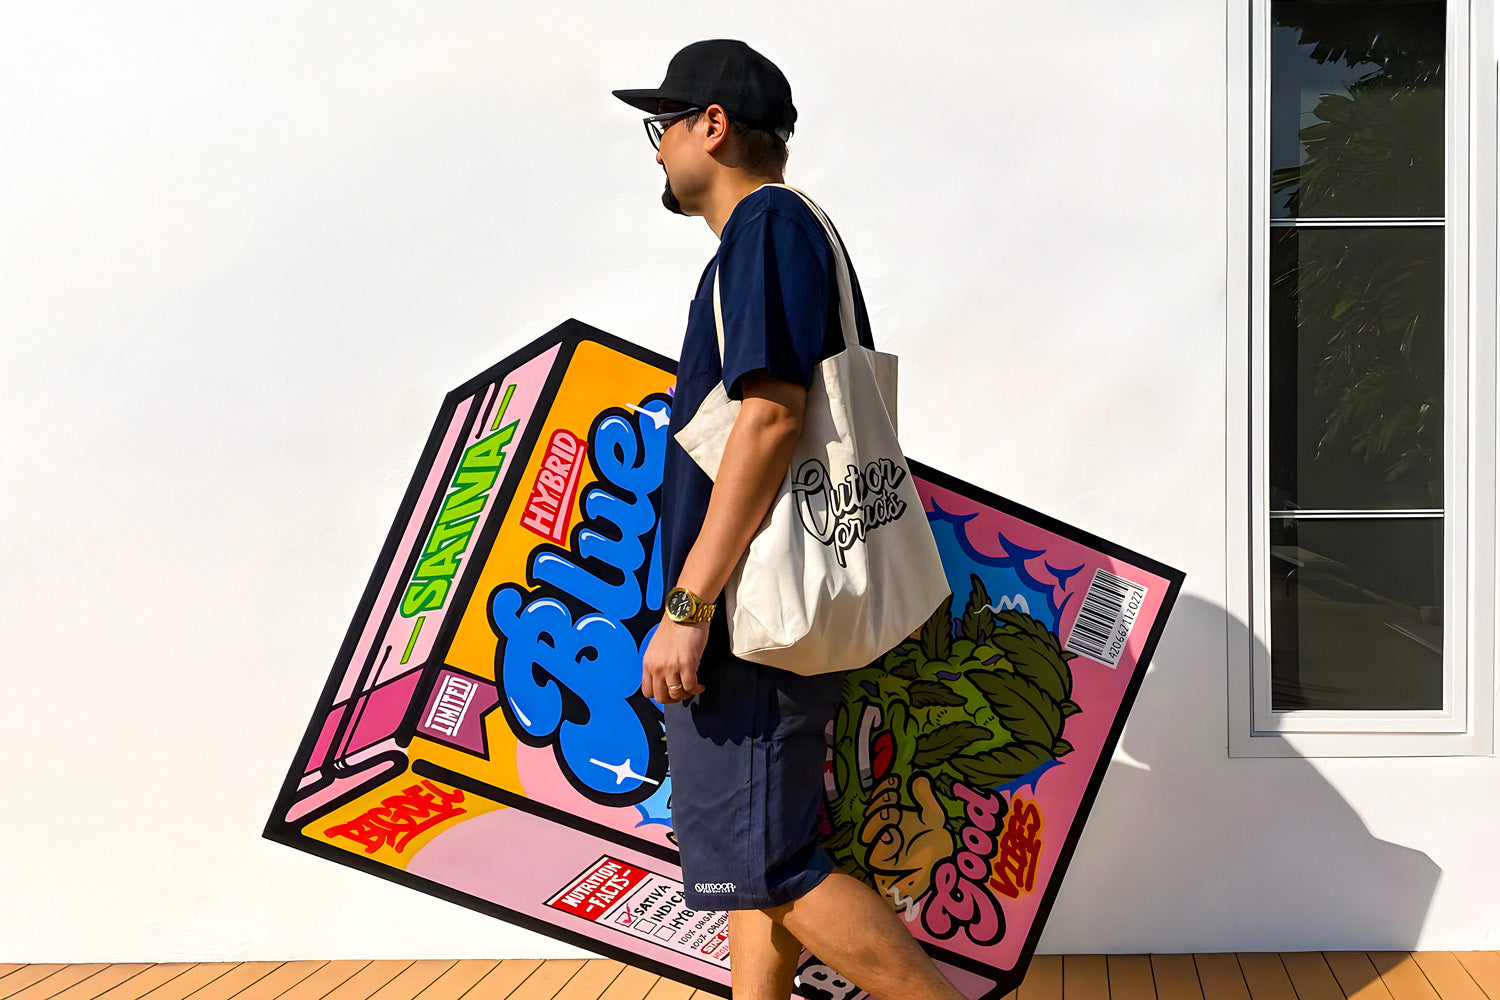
{"x":1103,"y":624}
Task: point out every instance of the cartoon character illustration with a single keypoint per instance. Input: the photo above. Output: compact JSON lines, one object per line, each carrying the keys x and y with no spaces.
{"x":982,"y":700}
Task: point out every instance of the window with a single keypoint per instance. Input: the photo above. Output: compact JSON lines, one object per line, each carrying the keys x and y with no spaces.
{"x":1357,"y":576}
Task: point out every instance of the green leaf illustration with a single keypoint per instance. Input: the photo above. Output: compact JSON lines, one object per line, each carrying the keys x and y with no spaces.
{"x":979,"y":620}
{"x":933,"y":694}
{"x":933,"y":748}
{"x":1061,"y":748}
{"x":937,"y":633}
{"x":906,"y":670}
{"x":1069,"y":709}
{"x":1020,"y":705}
{"x":996,"y":767}
{"x":1035,"y":653}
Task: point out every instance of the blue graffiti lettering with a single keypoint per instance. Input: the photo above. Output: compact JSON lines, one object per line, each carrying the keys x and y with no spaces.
{"x":547,"y":656}
{"x":576,"y":684}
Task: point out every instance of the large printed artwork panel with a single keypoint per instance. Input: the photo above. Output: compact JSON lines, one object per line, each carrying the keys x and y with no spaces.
{"x":483,"y":738}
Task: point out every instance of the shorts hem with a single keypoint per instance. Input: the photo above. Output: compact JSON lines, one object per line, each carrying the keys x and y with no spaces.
{"x":790,"y":892}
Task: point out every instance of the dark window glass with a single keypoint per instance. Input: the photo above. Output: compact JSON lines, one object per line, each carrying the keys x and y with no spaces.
{"x":1356,"y":354}
{"x":1356,"y":612}
{"x":1357,"y":108}
{"x":1356,"y":368}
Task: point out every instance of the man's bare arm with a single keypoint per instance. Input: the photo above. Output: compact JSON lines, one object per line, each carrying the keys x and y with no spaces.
{"x":755,"y":461}
{"x":754,"y":464}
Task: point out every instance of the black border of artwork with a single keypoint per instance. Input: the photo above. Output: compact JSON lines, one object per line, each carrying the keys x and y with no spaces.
{"x":568,"y":336}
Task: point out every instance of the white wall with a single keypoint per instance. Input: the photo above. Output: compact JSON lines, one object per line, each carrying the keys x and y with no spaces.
{"x":246,"y":248}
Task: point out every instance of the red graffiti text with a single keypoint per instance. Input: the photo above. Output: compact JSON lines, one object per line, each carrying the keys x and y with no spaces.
{"x":400,"y":818}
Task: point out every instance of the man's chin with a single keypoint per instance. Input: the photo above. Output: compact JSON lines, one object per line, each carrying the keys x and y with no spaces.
{"x":669,"y":200}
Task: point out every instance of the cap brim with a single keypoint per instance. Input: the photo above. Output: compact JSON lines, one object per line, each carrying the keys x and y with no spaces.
{"x":646,"y":100}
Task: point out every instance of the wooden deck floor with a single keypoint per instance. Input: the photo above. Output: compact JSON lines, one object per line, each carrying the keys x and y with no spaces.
{"x":1252,"y":976}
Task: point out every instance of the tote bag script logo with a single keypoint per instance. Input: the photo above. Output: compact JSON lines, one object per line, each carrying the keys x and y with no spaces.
{"x":841,"y":514}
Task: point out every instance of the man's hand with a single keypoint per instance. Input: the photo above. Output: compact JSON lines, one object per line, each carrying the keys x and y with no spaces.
{"x":669,"y":670}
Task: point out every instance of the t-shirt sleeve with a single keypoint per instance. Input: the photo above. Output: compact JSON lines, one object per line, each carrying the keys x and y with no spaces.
{"x":774,"y":288}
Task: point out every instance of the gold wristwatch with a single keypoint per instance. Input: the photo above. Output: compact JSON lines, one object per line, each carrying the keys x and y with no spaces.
{"x":684,"y":606}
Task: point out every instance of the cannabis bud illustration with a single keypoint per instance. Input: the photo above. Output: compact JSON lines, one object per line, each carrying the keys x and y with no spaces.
{"x":981,"y":700}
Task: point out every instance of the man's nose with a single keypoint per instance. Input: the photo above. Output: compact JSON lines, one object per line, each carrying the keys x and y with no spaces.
{"x":658,"y":158}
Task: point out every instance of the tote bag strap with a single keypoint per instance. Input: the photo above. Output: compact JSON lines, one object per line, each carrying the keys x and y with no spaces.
{"x":841,"y":264}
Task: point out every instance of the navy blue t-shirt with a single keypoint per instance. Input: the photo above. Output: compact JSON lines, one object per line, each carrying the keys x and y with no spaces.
{"x":778,"y":289}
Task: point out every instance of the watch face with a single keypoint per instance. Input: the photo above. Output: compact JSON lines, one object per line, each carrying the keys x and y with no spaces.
{"x":679,"y":603}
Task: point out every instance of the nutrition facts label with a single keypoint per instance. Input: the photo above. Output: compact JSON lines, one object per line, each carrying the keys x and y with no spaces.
{"x":646,"y":906}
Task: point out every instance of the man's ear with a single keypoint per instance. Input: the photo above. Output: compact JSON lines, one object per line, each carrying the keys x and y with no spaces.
{"x":718,"y":127}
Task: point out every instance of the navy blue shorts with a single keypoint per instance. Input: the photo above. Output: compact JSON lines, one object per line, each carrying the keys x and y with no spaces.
{"x":746,"y":758}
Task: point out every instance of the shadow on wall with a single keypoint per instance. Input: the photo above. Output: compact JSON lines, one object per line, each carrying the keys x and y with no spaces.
{"x":1188,"y":849}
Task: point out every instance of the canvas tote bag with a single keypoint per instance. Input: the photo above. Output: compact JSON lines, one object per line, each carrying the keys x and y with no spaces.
{"x":845,"y":565}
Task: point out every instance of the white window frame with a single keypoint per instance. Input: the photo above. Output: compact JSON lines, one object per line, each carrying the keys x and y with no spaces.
{"x":1465,"y":725}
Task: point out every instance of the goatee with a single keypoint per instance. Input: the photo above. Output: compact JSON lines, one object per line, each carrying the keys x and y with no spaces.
{"x":669,"y":200}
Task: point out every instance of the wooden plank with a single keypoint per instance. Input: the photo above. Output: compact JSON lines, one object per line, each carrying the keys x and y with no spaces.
{"x":667,"y":989}
{"x":459,"y":980}
{"x":544,"y":983}
{"x":364,"y":983}
{"x":103,"y":981}
{"x":1044,"y":979}
{"x":60,"y":979}
{"x":324,"y":981}
{"x":194,"y":978}
{"x":501,"y":981}
{"x":1451,"y":980}
{"x":1310,"y":975}
{"x":1130,"y":977}
{"x":632,"y":984}
{"x":1484,"y":967}
{"x":235,"y":980}
{"x":279,"y":980}
{"x":6,"y":968}
{"x":1085,"y":977}
{"x":1265,"y":976}
{"x":413,"y":979}
{"x":148,"y":980}
{"x":1402,"y":976}
{"x":1176,"y":977}
{"x":1356,"y":975}
{"x":25,"y":976}
{"x":1221,"y":977}
{"x":593,"y":979}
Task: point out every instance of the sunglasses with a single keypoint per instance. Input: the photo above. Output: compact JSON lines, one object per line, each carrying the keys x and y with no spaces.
{"x":657,"y":125}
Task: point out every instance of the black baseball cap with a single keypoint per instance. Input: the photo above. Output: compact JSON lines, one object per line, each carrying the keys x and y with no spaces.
{"x":730,"y":74}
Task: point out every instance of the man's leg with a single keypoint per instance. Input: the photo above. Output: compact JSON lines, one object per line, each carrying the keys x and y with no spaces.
{"x":763,"y":956}
{"x":850,"y":929}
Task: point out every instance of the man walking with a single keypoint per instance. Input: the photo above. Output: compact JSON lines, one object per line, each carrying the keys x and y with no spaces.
{"x":745,"y":741}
